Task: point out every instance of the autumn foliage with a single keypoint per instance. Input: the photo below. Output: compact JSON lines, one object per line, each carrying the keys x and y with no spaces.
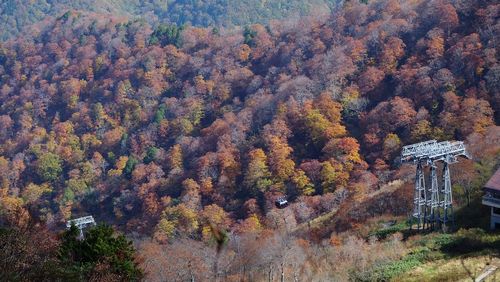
{"x":181,"y":132}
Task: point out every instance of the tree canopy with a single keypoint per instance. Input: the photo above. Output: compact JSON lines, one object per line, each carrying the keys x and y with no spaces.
{"x":101,"y":254}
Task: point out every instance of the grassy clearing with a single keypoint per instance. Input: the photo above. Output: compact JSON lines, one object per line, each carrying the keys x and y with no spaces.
{"x":385,"y":232}
{"x":386,"y":271}
{"x":329,"y":216}
{"x":439,"y":257}
{"x":456,"y":269}
{"x":316,"y":222}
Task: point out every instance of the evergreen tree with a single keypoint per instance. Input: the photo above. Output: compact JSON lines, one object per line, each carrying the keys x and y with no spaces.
{"x":167,"y":34}
{"x":151,"y":154}
{"x":100,"y":254}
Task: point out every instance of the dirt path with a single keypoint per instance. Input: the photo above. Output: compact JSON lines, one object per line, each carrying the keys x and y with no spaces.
{"x":489,"y":271}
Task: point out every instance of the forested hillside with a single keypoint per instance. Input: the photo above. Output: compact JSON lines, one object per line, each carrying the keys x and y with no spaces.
{"x":186,"y":133}
{"x":99,"y":117}
{"x":16,"y":15}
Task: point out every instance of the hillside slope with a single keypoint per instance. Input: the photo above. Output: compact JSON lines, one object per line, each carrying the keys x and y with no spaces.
{"x":183,"y":137}
{"x":98,"y":117}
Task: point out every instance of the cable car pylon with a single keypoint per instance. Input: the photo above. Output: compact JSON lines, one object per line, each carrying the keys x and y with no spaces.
{"x":433,"y":205}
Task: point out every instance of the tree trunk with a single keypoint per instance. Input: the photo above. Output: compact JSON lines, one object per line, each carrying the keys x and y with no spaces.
{"x":243,"y":273}
{"x":467,"y":195}
{"x":282,"y":272}
{"x":270,"y":274}
{"x":216,"y":267}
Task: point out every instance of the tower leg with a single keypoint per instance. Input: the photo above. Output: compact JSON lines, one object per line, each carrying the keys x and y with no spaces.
{"x":420,"y":198}
{"x":447,"y":202}
{"x":433,"y":202}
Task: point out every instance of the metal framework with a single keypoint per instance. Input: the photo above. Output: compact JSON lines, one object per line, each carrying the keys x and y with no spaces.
{"x":433,"y":205}
{"x":81,"y":223}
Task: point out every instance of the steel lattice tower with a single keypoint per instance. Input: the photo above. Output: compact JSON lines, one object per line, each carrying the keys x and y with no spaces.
{"x":433,"y":205}
{"x":81,"y":223}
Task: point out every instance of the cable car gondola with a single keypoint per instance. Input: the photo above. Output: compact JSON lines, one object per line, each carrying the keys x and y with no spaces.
{"x":281,"y":203}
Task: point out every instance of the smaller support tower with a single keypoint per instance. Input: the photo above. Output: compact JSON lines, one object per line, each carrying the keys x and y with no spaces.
{"x":81,"y":223}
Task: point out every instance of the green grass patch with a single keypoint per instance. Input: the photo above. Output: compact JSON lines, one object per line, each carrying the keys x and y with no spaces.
{"x":386,"y":271}
{"x":453,"y":269}
{"x":387,"y":231}
{"x":474,"y":240}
